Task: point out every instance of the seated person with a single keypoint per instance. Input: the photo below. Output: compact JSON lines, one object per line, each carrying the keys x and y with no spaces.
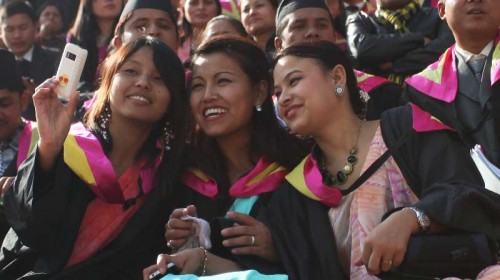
{"x":92,"y":29}
{"x":469,"y":101}
{"x":360,"y":170}
{"x":19,"y":24}
{"x":240,"y":154}
{"x":355,"y":6}
{"x":15,"y":132}
{"x":399,"y":40}
{"x":139,"y":18}
{"x":147,"y":18}
{"x":90,"y":202}
{"x":310,"y":20}
{"x":223,"y":24}
{"x":50,"y":34}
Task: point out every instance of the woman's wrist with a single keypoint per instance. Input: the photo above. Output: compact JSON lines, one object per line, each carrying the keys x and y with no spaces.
{"x":204,"y":261}
{"x":423,"y":221}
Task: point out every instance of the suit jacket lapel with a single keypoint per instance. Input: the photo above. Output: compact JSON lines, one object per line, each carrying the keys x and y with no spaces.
{"x":467,"y":85}
{"x":485,"y":91}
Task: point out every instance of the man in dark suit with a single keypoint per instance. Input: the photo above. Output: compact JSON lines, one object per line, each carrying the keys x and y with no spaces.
{"x":18,"y":33}
{"x":462,"y":89}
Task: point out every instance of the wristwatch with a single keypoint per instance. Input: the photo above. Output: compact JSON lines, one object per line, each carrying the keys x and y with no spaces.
{"x":424,"y":222}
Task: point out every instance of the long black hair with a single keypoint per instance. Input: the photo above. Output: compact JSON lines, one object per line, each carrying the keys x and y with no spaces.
{"x":268,"y":138}
{"x":84,"y":32}
{"x":171,"y":71}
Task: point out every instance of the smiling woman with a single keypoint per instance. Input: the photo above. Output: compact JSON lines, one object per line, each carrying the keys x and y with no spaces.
{"x":239,"y":156}
{"x":106,"y":180}
{"x":378,"y":178}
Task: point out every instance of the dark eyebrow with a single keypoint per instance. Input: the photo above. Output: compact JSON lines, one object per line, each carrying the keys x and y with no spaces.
{"x":224,"y":72}
{"x":140,"y":20}
{"x":321,"y":19}
{"x":300,"y":20}
{"x":291,"y":73}
{"x":131,"y":61}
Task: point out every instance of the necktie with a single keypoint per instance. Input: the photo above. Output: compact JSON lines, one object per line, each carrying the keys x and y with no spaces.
{"x":476,"y":63}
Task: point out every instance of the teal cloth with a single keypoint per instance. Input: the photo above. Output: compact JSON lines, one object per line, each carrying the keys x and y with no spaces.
{"x":239,"y":275}
{"x":243,"y":205}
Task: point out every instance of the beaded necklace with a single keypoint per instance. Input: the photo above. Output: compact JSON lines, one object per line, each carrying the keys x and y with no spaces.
{"x":342,"y":175}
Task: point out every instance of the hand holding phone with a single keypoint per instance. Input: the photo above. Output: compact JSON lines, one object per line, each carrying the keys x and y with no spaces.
{"x":70,"y":70}
{"x":171,"y":269}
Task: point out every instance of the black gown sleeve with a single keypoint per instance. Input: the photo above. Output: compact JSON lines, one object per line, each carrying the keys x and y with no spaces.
{"x":438,"y":167}
{"x":382,"y":98}
{"x":302,"y":235}
{"x":45,"y":212}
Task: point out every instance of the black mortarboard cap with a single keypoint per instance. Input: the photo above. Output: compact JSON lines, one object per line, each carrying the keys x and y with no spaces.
{"x":162,"y":5}
{"x":10,"y":75}
{"x":287,"y":7}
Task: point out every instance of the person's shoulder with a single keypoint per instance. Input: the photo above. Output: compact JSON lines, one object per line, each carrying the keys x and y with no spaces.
{"x":400,"y":114}
{"x":360,"y":16}
{"x":396,"y":122}
{"x":428,"y":13}
{"x":46,"y":52}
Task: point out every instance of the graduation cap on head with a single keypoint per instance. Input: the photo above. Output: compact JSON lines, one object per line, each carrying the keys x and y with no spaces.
{"x":10,"y":75}
{"x":162,"y":5}
{"x":287,"y":7}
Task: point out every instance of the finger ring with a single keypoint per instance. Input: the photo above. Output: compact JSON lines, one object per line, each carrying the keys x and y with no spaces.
{"x":253,"y":240}
{"x":169,"y":244}
{"x":387,"y":262}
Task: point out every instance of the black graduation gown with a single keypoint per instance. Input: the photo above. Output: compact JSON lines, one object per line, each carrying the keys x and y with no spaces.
{"x":211,"y":209}
{"x":302,"y":235}
{"x":382,"y":98}
{"x":437,"y":167}
{"x":45,"y":215}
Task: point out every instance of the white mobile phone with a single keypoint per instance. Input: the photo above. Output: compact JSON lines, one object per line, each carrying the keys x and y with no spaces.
{"x":70,"y":70}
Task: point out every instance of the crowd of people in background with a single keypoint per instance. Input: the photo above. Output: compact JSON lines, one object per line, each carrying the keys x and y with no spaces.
{"x":251,"y":139}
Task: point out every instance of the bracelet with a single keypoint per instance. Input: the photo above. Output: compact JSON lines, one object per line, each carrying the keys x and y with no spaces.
{"x":205,"y":260}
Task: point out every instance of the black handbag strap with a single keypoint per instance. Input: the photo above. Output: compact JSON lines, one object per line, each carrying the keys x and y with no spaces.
{"x":377,"y":164}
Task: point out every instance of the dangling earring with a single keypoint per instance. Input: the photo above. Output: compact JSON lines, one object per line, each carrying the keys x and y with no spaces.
{"x":258,"y":108}
{"x":103,"y":121}
{"x":364,"y":96}
{"x":339,"y":90}
{"x":167,"y":135}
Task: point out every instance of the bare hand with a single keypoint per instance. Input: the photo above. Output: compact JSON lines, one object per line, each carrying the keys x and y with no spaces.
{"x":5,"y":184}
{"x":177,"y":231}
{"x":54,"y":121}
{"x":188,"y":261}
{"x":386,"y":245}
{"x":250,"y":236}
